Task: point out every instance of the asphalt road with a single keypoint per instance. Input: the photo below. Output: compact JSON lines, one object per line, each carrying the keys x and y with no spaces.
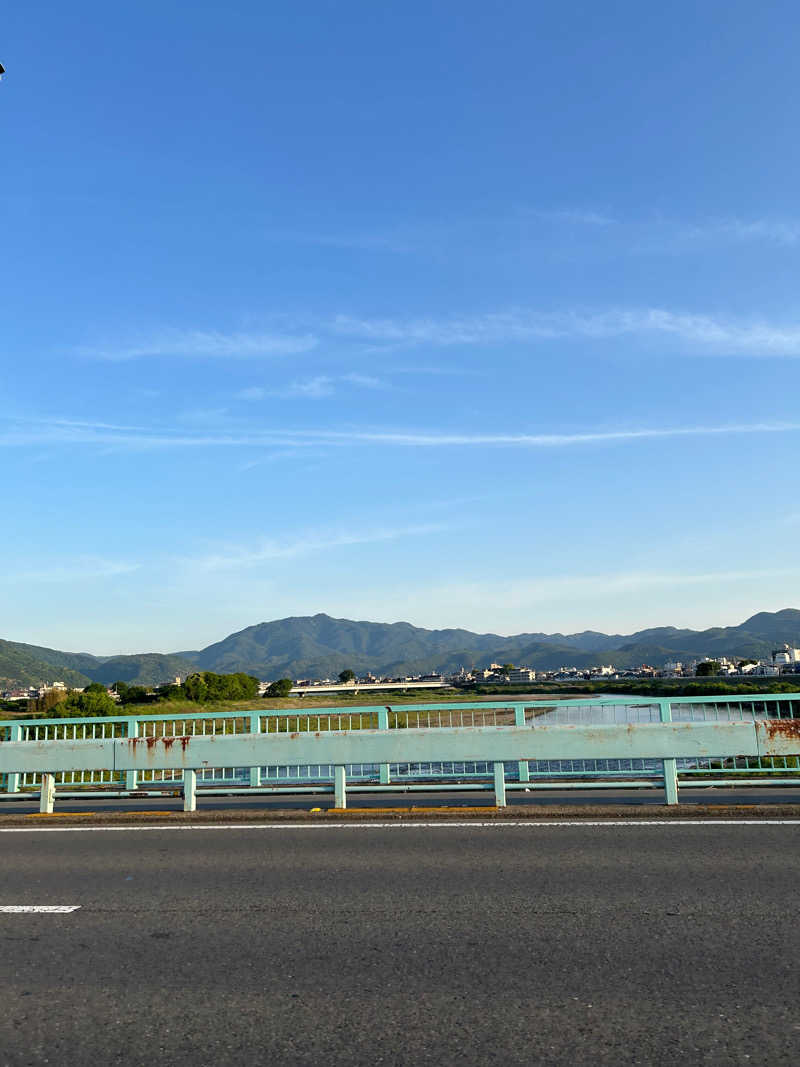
{"x":470,"y":799}
{"x":404,"y":945}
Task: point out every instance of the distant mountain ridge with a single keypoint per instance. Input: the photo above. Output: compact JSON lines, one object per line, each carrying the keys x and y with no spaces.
{"x":320,"y":646}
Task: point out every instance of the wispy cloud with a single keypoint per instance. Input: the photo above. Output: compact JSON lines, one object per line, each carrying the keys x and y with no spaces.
{"x":237,"y":556}
{"x":17,"y":433}
{"x":587,"y":227}
{"x":662,"y":233}
{"x":677,"y":236}
{"x":549,"y":440}
{"x":203,"y":344}
{"x":688,"y":331}
{"x":252,"y":392}
{"x":265,"y":459}
{"x":321,"y":385}
{"x":570,"y":216}
{"x":364,"y":381}
{"x":779,"y":231}
{"x":78,"y":570}
{"x":314,"y":388}
{"x":707,"y":333}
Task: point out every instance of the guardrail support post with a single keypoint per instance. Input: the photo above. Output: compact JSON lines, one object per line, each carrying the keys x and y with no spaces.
{"x":47,"y":796}
{"x":500,"y":785}
{"x":339,"y":786}
{"x":519,"y":720}
{"x":13,"y":776}
{"x":671,"y":780}
{"x":132,"y":777}
{"x":383,"y":768}
{"x":670,"y":766}
{"x":255,"y":728}
{"x":190,"y":790}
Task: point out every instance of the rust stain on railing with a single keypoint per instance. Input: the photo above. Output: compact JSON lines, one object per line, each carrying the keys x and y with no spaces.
{"x":781,"y":729}
{"x":152,"y":742}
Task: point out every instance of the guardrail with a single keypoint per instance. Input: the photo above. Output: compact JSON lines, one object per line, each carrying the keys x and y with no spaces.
{"x":441,"y":743}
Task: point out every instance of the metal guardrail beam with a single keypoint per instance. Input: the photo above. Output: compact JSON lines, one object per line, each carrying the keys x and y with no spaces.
{"x":664,"y":740}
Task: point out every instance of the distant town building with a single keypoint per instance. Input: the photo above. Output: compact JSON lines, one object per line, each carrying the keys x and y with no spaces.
{"x":783,"y":657}
{"x":522,"y":674}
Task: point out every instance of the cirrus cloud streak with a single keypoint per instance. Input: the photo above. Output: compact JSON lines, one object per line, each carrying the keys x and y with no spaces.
{"x":33,"y":432}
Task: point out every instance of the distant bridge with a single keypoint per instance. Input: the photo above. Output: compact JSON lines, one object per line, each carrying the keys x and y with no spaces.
{"x":302,"y":690}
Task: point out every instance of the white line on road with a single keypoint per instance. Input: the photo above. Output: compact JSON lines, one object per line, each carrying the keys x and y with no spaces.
{"x":16,"y":909}
{"x":438,"y":825}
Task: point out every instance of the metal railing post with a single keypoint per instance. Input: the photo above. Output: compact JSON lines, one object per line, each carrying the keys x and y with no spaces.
{"x":14,"y":776}
{"x":383,"y":768}
{"x":255,"y":728}
{"x":132,"y":777}
{"x":500,"y":785}
{"x":670,"y":766}
{"x":47,"y":796}
{"x":190,"y":790}
{"x":519,"y":720}
{"x":339,"y":786}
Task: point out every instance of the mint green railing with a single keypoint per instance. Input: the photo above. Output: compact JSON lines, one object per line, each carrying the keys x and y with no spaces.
{"x":584,"y":711}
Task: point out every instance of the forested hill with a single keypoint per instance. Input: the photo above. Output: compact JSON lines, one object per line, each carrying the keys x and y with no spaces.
{"x":321,"y":646}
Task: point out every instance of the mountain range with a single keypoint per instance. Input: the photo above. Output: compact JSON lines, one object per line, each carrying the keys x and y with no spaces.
{"x":319,"y":646}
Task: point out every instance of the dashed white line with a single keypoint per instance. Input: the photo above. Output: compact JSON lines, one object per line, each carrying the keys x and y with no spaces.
{"x":437,"y":825}
{"x":17,"y":909}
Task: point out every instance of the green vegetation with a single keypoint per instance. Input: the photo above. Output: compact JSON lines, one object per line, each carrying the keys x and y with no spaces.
{"x":347,"y":676}
{"x":707,"y":667}
{"x":133,"y":694}
{"x":24,"y":665}
{"x":202,"y":687}
{"x":220,"y":691}
{"x":206,"y":686}
{"x":45,"y":704}
{"x":281,"y":688}
{"x":148,"y":669}
{"x":93,"y":702}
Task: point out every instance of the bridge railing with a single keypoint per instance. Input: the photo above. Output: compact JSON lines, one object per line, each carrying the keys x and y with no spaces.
{"x":435,"y":716}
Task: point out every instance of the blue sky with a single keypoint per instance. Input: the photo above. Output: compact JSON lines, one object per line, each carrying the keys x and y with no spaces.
{"x":466,"y":314}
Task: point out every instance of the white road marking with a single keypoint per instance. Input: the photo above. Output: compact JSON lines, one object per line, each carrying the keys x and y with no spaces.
{"x":437,"y":825}
{"x":16,"y":909}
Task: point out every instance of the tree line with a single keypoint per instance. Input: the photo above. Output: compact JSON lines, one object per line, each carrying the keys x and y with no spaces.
{"x":202,"y":687}
{"x":94,"y":701}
